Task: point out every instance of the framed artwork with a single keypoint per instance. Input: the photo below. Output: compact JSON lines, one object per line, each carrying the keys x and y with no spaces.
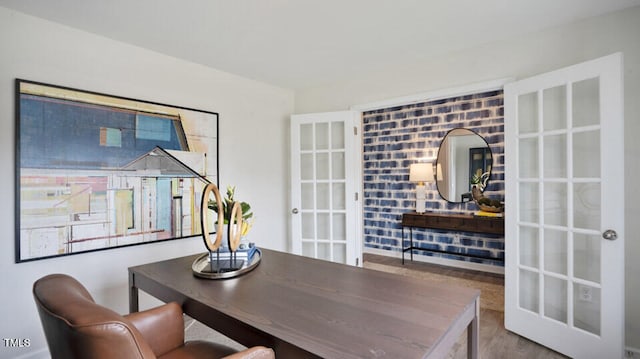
{"x":97,"y":171}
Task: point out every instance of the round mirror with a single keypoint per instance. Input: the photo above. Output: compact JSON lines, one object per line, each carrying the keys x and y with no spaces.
{"x":462,"y":155}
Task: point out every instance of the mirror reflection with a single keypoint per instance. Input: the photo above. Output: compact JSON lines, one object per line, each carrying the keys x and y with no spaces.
{"x":462,"y":155}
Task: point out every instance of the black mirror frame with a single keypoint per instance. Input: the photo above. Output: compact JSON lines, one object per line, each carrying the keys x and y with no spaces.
{"x":468,"y":198}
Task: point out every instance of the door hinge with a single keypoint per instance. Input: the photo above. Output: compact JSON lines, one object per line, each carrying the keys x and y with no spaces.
{"x":356,"y":196}
{"x":357,"y":262}
{"x":355,"y":131}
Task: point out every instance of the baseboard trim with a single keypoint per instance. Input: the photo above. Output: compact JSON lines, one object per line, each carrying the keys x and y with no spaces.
{"x":35,"y":354}
{"x":436,"y":260}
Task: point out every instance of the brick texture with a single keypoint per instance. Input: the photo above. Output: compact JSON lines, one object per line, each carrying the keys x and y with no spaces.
{"x":396,"y":137}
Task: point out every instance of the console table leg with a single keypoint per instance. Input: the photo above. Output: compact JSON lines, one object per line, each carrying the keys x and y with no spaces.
{"x":402,"y":245}
{"x":411,"y":242}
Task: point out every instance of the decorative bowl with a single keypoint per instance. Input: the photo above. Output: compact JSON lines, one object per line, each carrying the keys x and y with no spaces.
{"x":491,"y":209}
{"x":486,"y":204}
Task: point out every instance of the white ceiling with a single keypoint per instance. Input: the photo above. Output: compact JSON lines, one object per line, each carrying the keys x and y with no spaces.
{"x":305,"y":43}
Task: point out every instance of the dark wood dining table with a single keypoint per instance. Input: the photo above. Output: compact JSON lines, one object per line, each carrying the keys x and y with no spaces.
{"x":308,"y":308}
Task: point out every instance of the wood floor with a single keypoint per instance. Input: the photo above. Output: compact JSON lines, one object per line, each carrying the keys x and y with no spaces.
{"x":495,"y":341}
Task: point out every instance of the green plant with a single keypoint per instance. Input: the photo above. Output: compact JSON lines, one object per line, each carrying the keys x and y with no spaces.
{"x":227,"y":206}
{"x":480,"y":180}
{"x":475,"y":179}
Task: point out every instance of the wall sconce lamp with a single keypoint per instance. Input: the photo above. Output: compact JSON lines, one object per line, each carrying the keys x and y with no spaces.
{"x":420,"y":173}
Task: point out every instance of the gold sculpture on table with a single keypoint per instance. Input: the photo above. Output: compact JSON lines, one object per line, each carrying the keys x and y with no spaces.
{"x":234,"y":228}
{"x":223,"y":262}
{"x":486,"y":204}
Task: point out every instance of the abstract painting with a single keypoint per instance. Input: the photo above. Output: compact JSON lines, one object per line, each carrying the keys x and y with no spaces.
{"x":97,"y":171}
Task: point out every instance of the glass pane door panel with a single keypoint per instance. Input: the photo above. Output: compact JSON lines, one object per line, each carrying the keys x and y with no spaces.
{"x":308,"y":226}
{"x":528,"y":158}
{"x":586,"y":205}
{"x":528,"y":290}
{"x":337,"y":135}
{"x":528,"y":113}
{"x":555,"y":156}
{"x":338,"y":194}
{"x":322,"y":196}
{"x":322,"y":166}
{"x":308,"y":249}
{"x":586,"y":257}
{"x":306,"y":166}
{"x":339,"y":252}
{"x":586,"y":308}
{"x":528,"y":208}
{"x":339,"y":227}
{"x":528,"y":248}
{"x":337,"y":165}
{"x":555,"y":204}
{"x":306,"y":200}
{"x":306,"y":137}
{"x":586,"y":154}
{"x":324,"y":228}
{"x":555,"y":298}
{"x":586,"y":102}
{"x":555,"y":108}
{"x":555,"y":251}
{"x":324,"y":251}
{"x":322,"y":136}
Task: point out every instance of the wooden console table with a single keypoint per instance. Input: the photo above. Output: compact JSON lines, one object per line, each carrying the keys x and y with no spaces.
{"x":453,"y":222}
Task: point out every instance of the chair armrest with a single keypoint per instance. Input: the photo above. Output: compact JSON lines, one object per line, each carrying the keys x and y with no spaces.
{"x":162,"y":327}
{"x":253,"y":353}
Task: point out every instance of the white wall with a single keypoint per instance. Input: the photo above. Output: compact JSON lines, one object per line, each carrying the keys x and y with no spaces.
{"x":254,"y":123}
{"x":526,"y":56}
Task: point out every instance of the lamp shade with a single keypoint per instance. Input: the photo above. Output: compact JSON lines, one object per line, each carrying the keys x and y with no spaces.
{"x":421,"y":172}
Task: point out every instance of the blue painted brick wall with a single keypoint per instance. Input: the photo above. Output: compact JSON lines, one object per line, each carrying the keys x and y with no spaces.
{"x":396,"y":137}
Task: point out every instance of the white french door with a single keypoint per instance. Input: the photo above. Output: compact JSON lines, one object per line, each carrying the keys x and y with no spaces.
{"x":325,"y":177}
{"x":564,"y":270}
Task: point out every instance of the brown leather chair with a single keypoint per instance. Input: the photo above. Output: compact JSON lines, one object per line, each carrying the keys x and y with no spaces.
{"x":76,"y":327}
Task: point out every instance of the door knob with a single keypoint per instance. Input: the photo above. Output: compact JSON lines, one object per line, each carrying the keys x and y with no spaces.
{"x":294,"y":211}
{"x":610,"y":235}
